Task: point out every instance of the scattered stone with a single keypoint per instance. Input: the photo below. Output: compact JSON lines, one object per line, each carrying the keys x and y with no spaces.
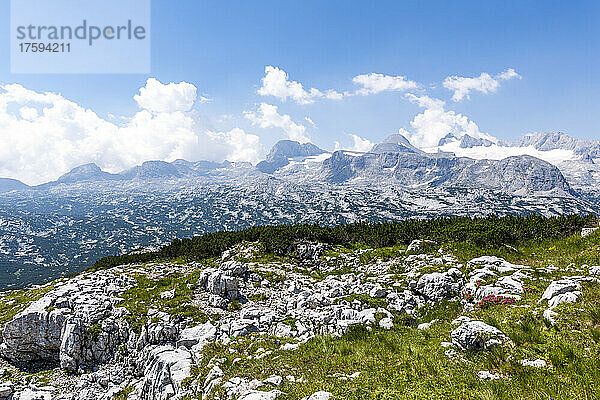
{"x":319,"y":396}
{"x":80,"y":324}
{"x":558,"y":292}
{"x":477,"y":335}
{"x":440,"y":285}
{"x":386,"y":323}
{"x":167,"y":295}
{"x":539,"y":363}
{"x":258,"y":395}
{"x":273,"y":380}
{"x":418,"y":244}
{"x":588,"y":231}
{"x":290,"y":346}
{"x":594,"y":270}
{"x":426,"y":325}
{"x":307,"y":251}
{"x":486,"y":375}
{"x":559,"y":287}
{"x":5,"y":390}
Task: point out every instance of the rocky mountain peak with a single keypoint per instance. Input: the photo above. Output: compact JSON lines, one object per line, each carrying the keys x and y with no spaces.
{"x":283,"y":150}
{"x":290,"y":148}
{"x":152,"y":170}
{"x":395,"y":143}
{"x":86,"y":172}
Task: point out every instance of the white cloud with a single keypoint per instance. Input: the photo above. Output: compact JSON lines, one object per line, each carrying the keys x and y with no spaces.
{"x":172,"y":97}
{"x":484,"y":83}
{"x":269,"y":117}
{"x":375,"y":83}
{"x":426,"y":101}
{"x":359,"y":144}
{"x":508,"y":74}
{"x":43,"y":135}
{"x":310,"y":121}
{"x":275,"y":83}
{"x":28,"y":113}
{"x":237,"y":145}
{"x":435,"y":123}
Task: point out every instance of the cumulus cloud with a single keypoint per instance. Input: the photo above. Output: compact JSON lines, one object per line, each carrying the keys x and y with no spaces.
{"x":508,"y":74}
{"x":375,"y":83}
{"x":237,"y":145}
{"x":276,"y":83}
{"x":268,"y":117}
{"x":160,"y":98}
{"x":435,"y":123}
{"x":44,"y":135}
{"x":359,"y":144}
{"x":484,"y":83}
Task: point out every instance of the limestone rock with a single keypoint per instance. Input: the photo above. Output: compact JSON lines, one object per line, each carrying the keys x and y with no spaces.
{"x":5,"y":390}
{"x":33,"y":394}
{"x":477,"y":335}
{"x":322,"y":395}
{"x":307,"y":251}
{"x":165,"y":369}
{"x":440,"y":285}
{"x":559,"y":287}
{"x":198,"y":335}
{"x":258,"y":395}
{"x":418,"y":244}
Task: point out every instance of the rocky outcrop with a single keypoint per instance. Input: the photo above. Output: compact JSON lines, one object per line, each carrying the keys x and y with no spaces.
{"x":494,"y":278}
{"x":198,"y":336}
{"x":76,"y":323}
{"x":34,"y":334}
{"x":165,"y":369}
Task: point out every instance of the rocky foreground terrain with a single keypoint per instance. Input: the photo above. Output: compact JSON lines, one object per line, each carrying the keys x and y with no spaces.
{"x":319,"y":323}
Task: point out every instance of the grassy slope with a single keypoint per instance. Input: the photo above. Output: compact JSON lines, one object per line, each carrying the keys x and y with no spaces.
{"x":407,"y":363}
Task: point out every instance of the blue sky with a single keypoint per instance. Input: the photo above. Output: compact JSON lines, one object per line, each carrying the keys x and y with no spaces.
{"x":222,"y":48}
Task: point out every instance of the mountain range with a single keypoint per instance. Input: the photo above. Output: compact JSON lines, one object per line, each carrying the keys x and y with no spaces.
{"x":395,"y":161}
{"x":60,"y":227}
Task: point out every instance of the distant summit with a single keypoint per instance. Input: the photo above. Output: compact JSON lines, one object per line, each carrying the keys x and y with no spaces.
{"x":152,"y":170}
{"x":280,"y":154}
{"x":7,"y":185}
{"x":86,"y":172}
{"x":395,"y":144}
{"x":546,"y":141}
